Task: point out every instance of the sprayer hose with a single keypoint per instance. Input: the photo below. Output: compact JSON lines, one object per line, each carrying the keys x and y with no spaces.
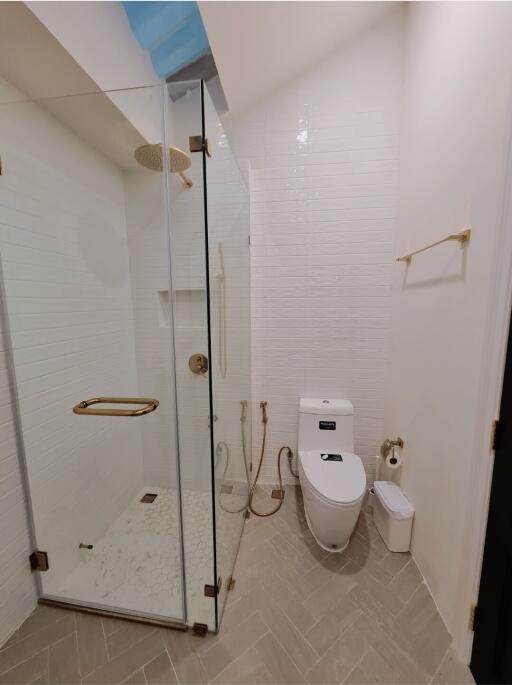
{"x":263,"y":406}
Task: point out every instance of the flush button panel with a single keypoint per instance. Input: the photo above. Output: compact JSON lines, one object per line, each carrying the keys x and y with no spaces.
{"x":327,"y":456}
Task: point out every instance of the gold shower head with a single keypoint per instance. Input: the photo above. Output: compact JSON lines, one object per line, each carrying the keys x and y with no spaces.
{"x":150,"y":157}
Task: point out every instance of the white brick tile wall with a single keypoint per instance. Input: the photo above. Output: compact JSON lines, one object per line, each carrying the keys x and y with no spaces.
{"x":322,"y":154}
{"x":17,"y":584}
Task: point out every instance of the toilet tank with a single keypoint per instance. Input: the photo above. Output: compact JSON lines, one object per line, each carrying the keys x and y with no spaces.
{"x":326,"y":424}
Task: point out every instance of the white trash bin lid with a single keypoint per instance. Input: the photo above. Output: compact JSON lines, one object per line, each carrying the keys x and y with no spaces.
{"x":393,"y":499}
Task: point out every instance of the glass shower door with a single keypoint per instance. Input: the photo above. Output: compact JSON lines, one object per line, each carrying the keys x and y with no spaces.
{"x":84,"y":240}
{"x":230,"y":329}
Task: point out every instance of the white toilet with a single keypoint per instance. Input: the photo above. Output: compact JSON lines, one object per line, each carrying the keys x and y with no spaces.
{"x":332,"y":478}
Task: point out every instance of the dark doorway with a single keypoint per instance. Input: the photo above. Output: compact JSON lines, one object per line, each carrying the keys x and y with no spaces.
{"x":491,"y":660}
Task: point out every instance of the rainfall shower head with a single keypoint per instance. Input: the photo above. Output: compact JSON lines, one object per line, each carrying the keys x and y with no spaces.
{"x":150,"y":157}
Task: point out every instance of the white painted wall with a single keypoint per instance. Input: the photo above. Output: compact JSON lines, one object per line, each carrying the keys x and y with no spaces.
{"x":457,"y":118}
{"x":280,"y":42}
{"x":98,"y":37}
{"x":323,"y":158}
{"x":66,"y":271}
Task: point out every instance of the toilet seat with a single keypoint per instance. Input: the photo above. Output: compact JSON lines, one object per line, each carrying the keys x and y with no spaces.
{"x":337,"y":481}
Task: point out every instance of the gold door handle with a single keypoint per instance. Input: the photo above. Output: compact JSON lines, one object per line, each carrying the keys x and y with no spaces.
{"x":84,"y":406}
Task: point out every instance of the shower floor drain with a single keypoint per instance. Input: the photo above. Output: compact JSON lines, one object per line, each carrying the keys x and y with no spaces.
{"x":148,"y":498}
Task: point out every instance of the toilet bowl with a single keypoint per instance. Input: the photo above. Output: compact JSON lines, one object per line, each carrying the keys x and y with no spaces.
{"x":332,"y":478}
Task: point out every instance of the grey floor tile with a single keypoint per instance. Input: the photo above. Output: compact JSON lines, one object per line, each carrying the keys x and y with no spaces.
{"x":323,"y":572}
{"x":232,"y":644}
{"x":35,"y":642}
{"x":339,"y":659}
{"x":92,"y":648}
{"x":160,"y":671}
{"x":407,"y":581}
{"x":326,"y":631}
{"x":321,"y":601}
{"x":111,"y":625}
{"x":417,"y":610}
{"x":127,"y":636}
{"x":281,"y":592}
{"x":394,"y":562}
{"x":405,"y":669}
{"x":137,"y":678}
{"x":372,"y":668}
{"x":14,"y":638}
{"x":119,"y":669}
{"x":63,"y":661}
{"x":43,"y":617}
{"x":290,"y":638}
{"x":452,"y":672}
{"x":238,"y":609}
{"x":184,"y":650}
{"x":375,"y":597}
{"x":430,"y":644}
{"x":277,"y":661}
{"x":28,"y":671}
{"x":247,"y":669}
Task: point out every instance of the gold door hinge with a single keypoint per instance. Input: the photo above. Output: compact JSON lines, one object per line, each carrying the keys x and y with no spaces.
{"x":39,"y":561}
{"x":495,"y":427}
{"x":473,"y":617}
{"x":231,"y":584}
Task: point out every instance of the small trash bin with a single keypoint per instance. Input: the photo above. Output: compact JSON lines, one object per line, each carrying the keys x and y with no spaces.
{"x":393,"y":515}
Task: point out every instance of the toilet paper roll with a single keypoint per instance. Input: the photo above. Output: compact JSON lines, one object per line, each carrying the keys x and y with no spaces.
{"x":393,"y":460}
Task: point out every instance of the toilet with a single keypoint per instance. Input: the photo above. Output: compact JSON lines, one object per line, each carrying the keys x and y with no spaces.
{"x":332,"y":478}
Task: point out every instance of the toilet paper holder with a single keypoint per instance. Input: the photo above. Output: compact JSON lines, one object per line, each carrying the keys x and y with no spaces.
{"x":388,"y":445}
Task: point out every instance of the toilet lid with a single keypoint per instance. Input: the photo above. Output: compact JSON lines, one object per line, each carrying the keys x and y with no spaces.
{"x":338,"y":476}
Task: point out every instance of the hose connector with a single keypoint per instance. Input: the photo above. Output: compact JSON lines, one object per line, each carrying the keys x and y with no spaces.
{"x":243,"y":404}
{"x":263,"y":407}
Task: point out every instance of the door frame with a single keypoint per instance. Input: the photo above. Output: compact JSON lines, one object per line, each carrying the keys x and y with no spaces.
{"x":492,"y":367}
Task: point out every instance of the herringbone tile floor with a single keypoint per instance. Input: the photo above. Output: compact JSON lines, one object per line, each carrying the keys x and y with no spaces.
{"x":296,"y":615}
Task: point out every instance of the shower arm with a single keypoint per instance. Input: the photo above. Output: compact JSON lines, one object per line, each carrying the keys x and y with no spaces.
{"x":187,"y":182}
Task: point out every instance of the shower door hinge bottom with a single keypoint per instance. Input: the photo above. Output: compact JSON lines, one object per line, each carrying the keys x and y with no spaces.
{"x":200,"y":629}
{"x":213,"y":590}
{"x":39,"y":561}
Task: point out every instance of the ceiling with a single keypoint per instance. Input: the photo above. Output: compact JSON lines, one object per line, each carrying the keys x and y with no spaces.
{"x":260,"y":46}
{"x":61,"y":86}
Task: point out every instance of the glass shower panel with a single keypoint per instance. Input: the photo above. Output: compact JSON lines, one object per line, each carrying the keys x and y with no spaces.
{"x":229,"y":278}
{"x":191,"y":345}
{"x":84,"y":242}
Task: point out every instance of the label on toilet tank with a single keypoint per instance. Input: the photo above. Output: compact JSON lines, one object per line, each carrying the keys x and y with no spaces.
{"x":325,"y":456}
{"x":327,"y":425}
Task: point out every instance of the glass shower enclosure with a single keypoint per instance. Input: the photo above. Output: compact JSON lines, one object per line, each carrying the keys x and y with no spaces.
{"x":124,"y":225}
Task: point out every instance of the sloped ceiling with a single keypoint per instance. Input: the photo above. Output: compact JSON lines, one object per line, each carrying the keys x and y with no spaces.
{"x":260,"y":46}
{"x":36,"y":64}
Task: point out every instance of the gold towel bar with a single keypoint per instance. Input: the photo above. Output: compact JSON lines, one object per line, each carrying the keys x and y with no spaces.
{"x":84,"y":407}
{"x":461,"y":237}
